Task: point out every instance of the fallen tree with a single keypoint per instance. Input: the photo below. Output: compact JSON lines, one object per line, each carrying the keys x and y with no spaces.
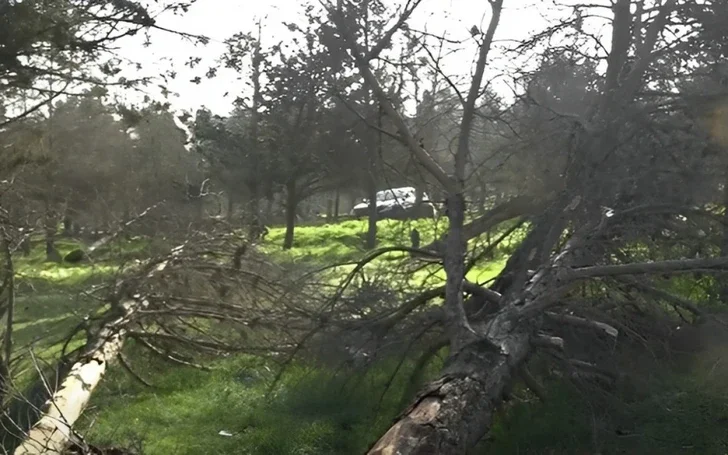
{"x":202,"y":279}
{"x":53,"y":431}
{"x":572,"y":238}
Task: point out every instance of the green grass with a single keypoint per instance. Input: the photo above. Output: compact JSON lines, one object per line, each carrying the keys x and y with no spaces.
{"x":315,"y":411}
{"x":311,"y":412}
{"x":343,"y":243}
{"x":50,"y":301}
{"x":679,"y":416}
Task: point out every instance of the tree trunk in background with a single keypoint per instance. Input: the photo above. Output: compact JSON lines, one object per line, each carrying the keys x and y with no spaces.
{"x":52,"y":254}
{"x":329,"y":210}
{"x":337,"y":200}
{"x":269,"y":201}
{"x":230,"y":206}
{"x":68,"y":226}
{"x":254,"y":186}
{"x":371,"y":241}
{"x":291,"y":205}
{"x":482,"y":196}
{"x":254,"y":205}
{"x":9,"y":310}
{"x":723,"y":291}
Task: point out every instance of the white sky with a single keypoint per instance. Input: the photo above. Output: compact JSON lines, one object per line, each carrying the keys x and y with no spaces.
{"x":219,"y":19}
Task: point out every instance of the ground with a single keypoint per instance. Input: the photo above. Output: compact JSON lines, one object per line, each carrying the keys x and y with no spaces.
{"x":229,"y":410}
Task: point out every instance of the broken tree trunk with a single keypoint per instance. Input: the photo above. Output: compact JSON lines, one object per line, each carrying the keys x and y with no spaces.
{"x":53,"y":431}
{"x":454,"y":412}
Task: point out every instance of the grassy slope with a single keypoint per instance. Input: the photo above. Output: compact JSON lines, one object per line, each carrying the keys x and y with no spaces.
{"x":316,"y":412}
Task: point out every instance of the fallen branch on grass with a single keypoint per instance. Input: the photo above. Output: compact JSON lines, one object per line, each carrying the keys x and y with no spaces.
{"x":52,"y":432}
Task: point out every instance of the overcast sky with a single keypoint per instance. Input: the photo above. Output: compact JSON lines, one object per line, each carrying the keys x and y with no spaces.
{"x":219,"y":19}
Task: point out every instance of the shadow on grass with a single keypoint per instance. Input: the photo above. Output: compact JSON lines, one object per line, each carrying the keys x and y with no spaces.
{"x":679,"y":416}
{"x":312,"y":412}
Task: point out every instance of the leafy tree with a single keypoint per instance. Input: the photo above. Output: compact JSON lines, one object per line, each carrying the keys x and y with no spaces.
{"x":48,"y":49}
{"x":296,"y":98}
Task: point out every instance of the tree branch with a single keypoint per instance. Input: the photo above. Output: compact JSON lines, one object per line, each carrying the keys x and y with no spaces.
{"x":466,"y":123}
{"x":583,"y":322}
{"x":427,"y":161}
{"x":671,"y":266}
{"x":387,"y":38}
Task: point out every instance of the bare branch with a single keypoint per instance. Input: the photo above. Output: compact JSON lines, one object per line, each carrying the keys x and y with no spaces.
{"x":466,"y":123}
{"x":427,"y":161}
{"x":671,"y":266}
{"x":583,"y":322}
{"x":513,"y":208}
{"x":548,"y":342}
{"x":664,"y":295}
{"x":128,"y":368}
{"x":387,"y":38}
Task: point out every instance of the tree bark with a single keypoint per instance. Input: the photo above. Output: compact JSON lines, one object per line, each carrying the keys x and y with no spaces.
{"x":337,"y":201}
{"x":454,"y":412}
{"x":9,"y":311}
{"x":371,"y":241}
{"x":68,"y":228}
{"x":291,"y":205}
{"x":53,"y":432}
{"x":458,"y":328}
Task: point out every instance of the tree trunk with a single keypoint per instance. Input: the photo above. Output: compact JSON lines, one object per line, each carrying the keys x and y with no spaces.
{"x":53,"y":432}
{"x":52,"y":254}
{"x":270,"y":200}
{"x":337,"y":200}
{"x":230,"y":206}
{"x":329,"y":210}
{"x":454,"y":261}
{"x":291,"y":205}
{"x":723,"y":291}
{"x":454,"y":412}
{"x":68,"y":226}
{"x":9,"y":310}
{"x":371,"y":241}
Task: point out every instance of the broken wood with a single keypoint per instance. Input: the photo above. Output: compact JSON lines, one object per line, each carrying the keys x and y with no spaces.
{"x":455,"y":411}
{"x":52,"y":433}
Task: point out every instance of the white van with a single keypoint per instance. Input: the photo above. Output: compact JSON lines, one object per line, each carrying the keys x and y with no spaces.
{"x":397,"y":203}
